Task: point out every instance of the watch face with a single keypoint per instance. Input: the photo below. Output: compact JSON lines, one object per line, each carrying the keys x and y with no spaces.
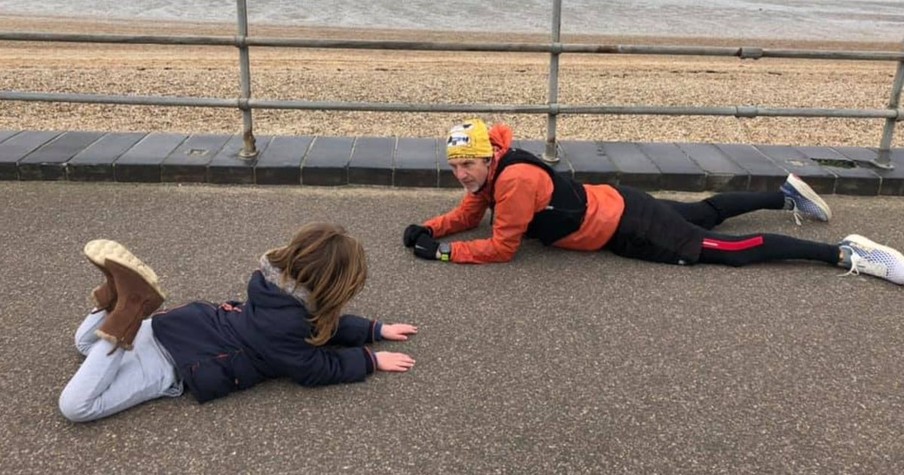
{"x":445,"y":251}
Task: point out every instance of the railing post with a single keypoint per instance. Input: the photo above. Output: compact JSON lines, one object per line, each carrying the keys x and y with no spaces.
{"x":884,"y":158}
{"x":249,"y":150}
{"x":551,"y":154}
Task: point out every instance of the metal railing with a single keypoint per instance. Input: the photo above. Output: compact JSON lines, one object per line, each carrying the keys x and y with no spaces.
{"x":892,"y":114}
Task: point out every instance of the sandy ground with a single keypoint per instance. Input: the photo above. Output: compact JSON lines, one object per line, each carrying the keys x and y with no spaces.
{"x":436,"y":77}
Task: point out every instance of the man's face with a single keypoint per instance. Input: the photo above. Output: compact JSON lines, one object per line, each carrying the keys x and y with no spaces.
{"x":471,"y":173}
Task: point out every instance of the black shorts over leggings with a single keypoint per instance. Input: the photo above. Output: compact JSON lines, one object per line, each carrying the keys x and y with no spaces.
{"x":654,"y":231}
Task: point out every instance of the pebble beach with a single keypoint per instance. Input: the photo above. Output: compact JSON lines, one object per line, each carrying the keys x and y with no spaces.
{"x":436,"y":77}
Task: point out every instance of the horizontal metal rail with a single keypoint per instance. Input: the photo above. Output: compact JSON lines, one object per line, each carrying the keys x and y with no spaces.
{"x":892,"y":114}
{"x":734,"y":111}
{"x":239,"y":41}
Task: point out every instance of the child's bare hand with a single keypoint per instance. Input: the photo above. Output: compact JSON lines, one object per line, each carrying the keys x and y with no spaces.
{"x":395,"y":362}
{"x":397,"y":331}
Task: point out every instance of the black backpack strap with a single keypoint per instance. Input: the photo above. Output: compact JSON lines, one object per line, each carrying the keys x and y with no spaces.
{"x":567,"y":207}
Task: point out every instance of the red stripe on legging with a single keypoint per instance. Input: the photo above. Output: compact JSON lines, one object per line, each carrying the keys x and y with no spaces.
{"x":733,"y":245}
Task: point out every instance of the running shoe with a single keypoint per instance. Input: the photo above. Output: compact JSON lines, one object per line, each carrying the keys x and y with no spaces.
{"x":805,"y":201}
{"x":868,"y":257}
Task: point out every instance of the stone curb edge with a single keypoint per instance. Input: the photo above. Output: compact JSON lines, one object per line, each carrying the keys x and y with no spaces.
{"x":419,"y":162}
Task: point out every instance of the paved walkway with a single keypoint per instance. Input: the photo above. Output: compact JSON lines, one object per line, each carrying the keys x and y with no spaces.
{"x":558,"y":362}
{"x":417,"y":162}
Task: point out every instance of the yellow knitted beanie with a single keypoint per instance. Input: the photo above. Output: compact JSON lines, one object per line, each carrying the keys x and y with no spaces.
{"x":469,"y":140}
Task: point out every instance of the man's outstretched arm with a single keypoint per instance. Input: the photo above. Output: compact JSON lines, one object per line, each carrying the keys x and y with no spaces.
{"x":519,"y":195}
{"x":467,"y":215}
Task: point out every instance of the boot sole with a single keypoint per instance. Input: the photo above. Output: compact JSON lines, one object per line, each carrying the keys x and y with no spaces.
{"x":99,"y":250}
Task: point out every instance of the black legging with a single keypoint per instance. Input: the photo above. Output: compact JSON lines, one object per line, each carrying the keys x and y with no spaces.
{"x":748,"y":249}
{"x":712,"y":211}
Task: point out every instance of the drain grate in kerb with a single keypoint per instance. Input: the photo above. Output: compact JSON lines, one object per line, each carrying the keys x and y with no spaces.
{"x":835,"y":162}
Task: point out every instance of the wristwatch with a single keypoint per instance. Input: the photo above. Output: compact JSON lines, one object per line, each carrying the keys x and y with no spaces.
{"x":444,"y":252}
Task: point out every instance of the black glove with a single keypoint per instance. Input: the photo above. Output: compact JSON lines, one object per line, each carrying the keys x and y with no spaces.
{"x":426,"y":247}
{"x":413,"y":232}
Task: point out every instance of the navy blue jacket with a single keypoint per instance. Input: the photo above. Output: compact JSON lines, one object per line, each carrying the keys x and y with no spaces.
{"x":233,"y":346}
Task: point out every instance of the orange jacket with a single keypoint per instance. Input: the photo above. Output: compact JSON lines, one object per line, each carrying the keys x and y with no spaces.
{"x":520,"y":192}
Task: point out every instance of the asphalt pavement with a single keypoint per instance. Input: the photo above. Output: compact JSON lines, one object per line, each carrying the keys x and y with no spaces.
{"x":557,"y":362}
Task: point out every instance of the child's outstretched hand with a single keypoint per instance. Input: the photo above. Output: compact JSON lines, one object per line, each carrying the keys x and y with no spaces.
{"x":395,"y":362}
{"x":397,"y":331}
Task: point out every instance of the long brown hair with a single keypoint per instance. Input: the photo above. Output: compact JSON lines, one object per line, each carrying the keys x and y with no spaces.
{"x":323,"y":259}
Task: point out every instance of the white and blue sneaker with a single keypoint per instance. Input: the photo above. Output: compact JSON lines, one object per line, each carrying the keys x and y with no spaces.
{"x":865,"y":256}
{"x":804,"y":201}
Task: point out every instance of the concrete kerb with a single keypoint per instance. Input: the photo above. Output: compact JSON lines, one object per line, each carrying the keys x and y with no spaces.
{"x":417,"y":162}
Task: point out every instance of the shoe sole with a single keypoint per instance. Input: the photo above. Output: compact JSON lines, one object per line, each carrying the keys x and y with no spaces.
{"x":99,"y":251}
{"x":808,"y":193}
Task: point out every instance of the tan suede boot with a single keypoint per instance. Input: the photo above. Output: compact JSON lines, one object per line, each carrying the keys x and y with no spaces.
{"x":97,"y":252}
{"x":138,"y":297}
{"x":130,"y":293}
{"x":104,"y":295}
